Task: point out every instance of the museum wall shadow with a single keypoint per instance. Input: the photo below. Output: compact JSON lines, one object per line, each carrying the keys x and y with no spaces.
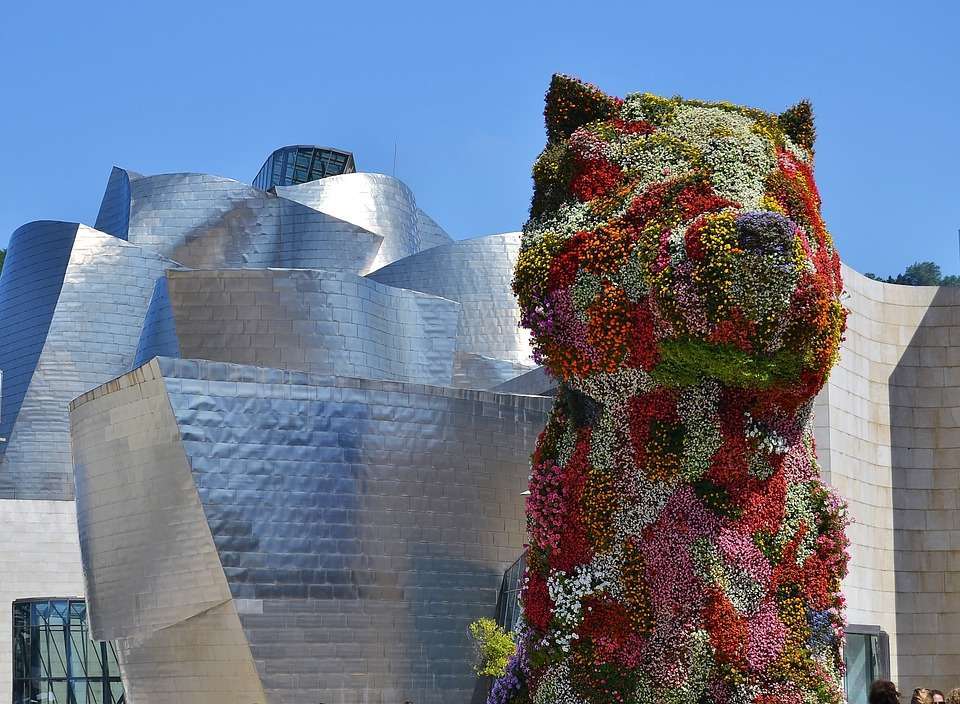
{"x":923,"y":408}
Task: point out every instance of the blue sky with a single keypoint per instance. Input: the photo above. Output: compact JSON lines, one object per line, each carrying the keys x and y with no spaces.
{"x":215,"y":86}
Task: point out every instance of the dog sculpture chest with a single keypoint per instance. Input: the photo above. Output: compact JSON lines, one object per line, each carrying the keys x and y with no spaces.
{"x":679,"y":282}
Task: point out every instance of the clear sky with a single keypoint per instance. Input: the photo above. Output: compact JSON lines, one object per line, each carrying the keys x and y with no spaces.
{"x":458,"y":88}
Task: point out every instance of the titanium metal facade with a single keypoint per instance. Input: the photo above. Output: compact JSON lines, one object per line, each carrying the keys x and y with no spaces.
{"x":477,"y":274}
{"x":319,"y":527}
{"x":317,"y":321}
{"x":72,"y":302}
{"x":360,"y":526}
{"x":375,"y":202}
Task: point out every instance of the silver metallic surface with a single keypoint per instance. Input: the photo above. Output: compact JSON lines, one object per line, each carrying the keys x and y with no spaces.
{"x":375,"y":202}
{"x":431,"y":234}
{"x":114,"y":215}
{"x":154,"y":583}
{"x":537,"y":382}
{"x":72,"y":302}
{"x":208,"y":221}
{"x":474,"y":371}
{"x":477,"y":274}
{"x":158,"y":337}
{"x":360,"y":525}
{"x":251,"y":534}
{"x":317,"y":321}
{"x":36,"y":260}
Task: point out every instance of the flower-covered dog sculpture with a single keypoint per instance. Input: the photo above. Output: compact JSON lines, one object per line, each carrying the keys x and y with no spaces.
{"x":680,"y":284}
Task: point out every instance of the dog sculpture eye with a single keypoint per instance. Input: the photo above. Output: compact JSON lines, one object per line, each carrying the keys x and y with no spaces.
{"x":766,"y":233}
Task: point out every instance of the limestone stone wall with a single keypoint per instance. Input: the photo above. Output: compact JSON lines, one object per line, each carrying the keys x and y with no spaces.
{"x":888,"y":433}
{"x":39,"y":557}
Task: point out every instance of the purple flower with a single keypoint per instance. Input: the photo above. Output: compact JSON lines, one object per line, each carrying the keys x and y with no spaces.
{"x":514,"y":680}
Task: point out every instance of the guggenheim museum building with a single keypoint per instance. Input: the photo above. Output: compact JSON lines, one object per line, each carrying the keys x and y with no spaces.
{"x":267,"y":443}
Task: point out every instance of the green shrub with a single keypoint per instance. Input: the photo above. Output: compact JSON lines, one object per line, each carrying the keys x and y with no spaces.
{"x":493,"y":646}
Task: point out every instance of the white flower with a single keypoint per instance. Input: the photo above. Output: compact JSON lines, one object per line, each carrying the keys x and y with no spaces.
{"x":567,"y":592}
{"x":555,"y":687}
{"x":740,"y":159}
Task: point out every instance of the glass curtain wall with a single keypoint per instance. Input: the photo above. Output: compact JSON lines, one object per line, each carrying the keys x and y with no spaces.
{"x":292,"y":165}
{"x":54,"y":660}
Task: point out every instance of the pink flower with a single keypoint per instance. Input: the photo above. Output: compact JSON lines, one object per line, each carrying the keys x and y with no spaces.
{"x":767,"y":636}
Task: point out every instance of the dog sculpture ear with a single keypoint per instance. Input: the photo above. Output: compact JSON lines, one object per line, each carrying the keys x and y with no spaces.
{"x":797,"y":122}
{"x":572,"y":103}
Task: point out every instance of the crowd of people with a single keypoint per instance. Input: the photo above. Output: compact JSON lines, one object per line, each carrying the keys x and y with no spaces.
{"x":886,"y":692}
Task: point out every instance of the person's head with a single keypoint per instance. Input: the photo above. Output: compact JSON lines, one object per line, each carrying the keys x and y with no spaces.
{"x":884,"y":692}
{"x":921,"y":695}
{"x":937,"y":696}
{"x":953,"y":696}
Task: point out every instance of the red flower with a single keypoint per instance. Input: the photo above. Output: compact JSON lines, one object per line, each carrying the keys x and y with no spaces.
{"x":644,"y":353}
{"x":649,"y":204}
{"x":734,"y":330}
{"x":633,"y":127}
{"x":698,"y":198}
{"x":653,"y":422}
{"x":594,"y":178}
{"x":693,"y":242}
{"x":535,"y":598}
{"x":763,"y":508}
{"x":728,"y":631}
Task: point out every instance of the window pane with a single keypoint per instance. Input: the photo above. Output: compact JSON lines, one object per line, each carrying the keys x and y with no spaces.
{"x":80,"y":692}
{"x":856,"y":652}
{"x":58,"y":690}
{"x":77,"y":649}
{"x":113,"y":669}
{"x":58,"y":653}
{"x":116,"y":691}
{"x":94,"y":659}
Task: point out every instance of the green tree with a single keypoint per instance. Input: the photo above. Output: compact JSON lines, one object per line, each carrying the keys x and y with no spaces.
{"x":3,"y":255}
{"x":920,"y":274}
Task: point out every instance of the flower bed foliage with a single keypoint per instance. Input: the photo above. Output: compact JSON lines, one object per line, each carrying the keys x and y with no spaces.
{"x":493,"y":647}
{"x":680,"y":283}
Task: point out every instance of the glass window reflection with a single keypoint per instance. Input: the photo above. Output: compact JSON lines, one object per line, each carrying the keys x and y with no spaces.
{"x":54,"y":660}
{"x":292,"y":165}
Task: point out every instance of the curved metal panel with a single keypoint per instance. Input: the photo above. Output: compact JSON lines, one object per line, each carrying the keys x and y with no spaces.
{"x":33,"y":271}
{"x":378,"y":203}
{"x":318,"y":321}
{"x":114,"y":215}
{"x":536,"y":382}
{"x":154,"y":582}
{"x":431,"y":234}
{"x":477,"y":274}
{"x":474,"y":371}
{"x":313,"y":240}
{"x":205,"y":221}
{"x":361,"y":524}
{"x":91,"y":337}
{"x":159,"y":334}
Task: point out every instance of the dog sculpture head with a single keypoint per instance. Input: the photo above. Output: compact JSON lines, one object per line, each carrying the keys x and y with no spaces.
{"x":673,"y":241}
